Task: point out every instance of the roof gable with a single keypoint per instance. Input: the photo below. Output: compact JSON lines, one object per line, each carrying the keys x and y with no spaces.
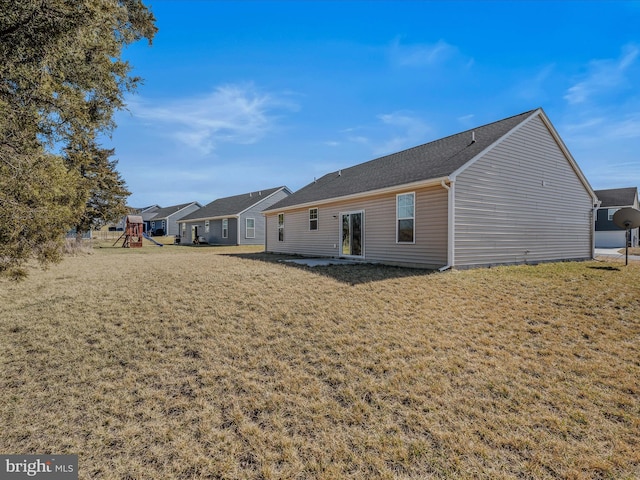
{"x":433,"y":160}
{"x":231,"y":206}
{"x":617,"y":197}
{"x":172,"y":210}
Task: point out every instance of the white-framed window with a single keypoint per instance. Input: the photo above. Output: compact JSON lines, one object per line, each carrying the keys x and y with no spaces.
{"x":164,"y":224}
{"x":225,"y":228}
{"x":313,"y":219}
{"x":611,"y":212}
{"x":206,"y":226}
{"x":251,"y":228}
{"x":153,"y":225}
{"x":405,"y":217}
{"x":281,"y":227}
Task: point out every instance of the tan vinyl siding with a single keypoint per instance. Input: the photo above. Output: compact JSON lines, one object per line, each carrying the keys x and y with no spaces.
{"x":522,"y":202}
{"x":429,"y":250}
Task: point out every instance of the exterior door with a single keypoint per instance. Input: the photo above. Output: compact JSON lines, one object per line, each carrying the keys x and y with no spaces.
{"x":352,"y":229}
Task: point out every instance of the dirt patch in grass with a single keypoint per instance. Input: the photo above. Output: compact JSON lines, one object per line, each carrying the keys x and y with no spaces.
{"x":184,"y":363}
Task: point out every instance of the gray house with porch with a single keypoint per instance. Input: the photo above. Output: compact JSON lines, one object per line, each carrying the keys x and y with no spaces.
{"x":235,"y":220}
{"x":164,"y":221}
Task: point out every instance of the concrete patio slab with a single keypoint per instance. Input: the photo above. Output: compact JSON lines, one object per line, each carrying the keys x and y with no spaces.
{"x":321,"y":262}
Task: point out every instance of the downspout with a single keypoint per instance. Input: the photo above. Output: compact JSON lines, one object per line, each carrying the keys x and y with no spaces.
{"x":594,"y":217}
{"x":450,"y":224}
{"x":238,"y":229}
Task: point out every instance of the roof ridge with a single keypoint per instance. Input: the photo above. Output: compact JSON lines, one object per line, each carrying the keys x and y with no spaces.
{"x":440,"y":139}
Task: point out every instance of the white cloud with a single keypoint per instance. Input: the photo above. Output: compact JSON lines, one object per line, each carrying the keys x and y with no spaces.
{"x":408,"y":131}
{"x":603,"y":75}
{"x":424,"y":55}
{"x":605,"y":129}
{"x":237,"y":114}
{"x":535,"y":87}
{"x":391,"y":133}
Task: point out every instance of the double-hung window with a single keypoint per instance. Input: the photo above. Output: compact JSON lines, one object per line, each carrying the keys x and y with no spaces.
{"x":313,"y":219}
{"x":225,"y":228}
{"x":405,"y":218}
{"x":206,"y":226}
{"x":251,"y":228}
{"x":281,"y":227}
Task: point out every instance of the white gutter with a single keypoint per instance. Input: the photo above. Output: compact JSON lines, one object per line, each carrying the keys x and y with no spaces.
{"x":219,"y":217}
{"x":451,"y":224}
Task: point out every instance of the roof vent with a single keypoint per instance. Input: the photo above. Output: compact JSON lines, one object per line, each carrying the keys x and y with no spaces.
{"x":473,"y":137}
{"x":260,"y":193}
{"x":339,"y":173}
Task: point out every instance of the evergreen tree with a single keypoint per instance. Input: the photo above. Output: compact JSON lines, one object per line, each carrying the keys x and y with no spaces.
{"x":107,"y":193}
{"x":62,"y":77}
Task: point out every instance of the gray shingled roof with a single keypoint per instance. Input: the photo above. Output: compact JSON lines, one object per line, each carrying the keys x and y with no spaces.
{"x":166,"y":212}
{"x":617,"y":197}
{"x":436,"y":159}
{"x":229,"y":206}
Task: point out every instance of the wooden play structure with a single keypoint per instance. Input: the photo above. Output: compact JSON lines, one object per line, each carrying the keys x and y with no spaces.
{"x":133,"y":232}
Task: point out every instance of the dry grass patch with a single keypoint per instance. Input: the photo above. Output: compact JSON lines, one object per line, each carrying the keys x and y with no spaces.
{"x":219,"y":366}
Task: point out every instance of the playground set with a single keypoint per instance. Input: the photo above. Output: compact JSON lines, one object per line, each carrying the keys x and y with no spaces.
{"x":134,"y":232}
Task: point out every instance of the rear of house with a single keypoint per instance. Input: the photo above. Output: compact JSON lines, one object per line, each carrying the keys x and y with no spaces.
{"x":507,"y":192}
{"x":235,"y":220}
{"x":364,"y":228}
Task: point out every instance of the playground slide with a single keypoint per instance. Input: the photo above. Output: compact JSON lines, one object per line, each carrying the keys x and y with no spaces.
{"x":152,"y":240}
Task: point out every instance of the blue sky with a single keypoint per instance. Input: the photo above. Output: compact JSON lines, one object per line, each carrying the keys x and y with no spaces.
{"x":247,"y":95}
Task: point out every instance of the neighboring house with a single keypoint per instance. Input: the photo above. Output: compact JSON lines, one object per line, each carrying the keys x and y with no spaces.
{"x":165,"y":220}
{"x":232,"y":220}
{"x":146,"y":212}
{"x":147,"y":215}
{"x":503,"y":193}
{"x":608,"y":234}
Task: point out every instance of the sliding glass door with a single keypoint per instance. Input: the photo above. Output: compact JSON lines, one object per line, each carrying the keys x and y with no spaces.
{"x":352,"y":229}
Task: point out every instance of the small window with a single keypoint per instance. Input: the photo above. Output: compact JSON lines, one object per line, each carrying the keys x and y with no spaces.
{"x":153,"y":225}
{"x":313,"y":219}
{"x":611,"y":212}
{"x":184,"y":229}
{"x":405,"y":218}
{"x":251,"y":228}
{"x":225,"y":228}
{"x":206,"y":226}
{"x":281,"y":227}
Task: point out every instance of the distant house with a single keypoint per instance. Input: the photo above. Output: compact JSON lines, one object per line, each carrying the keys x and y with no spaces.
{"x":164,"y":221}
{"x":232,"y":220}
{"x":503,"y":193}
{"x":147,"y":213}
{"x":608,"y":235}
